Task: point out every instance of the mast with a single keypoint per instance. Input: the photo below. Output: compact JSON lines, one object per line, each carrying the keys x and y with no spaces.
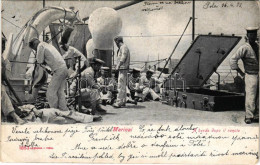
{"x":193,"y":20}
{"x":43,"y":32}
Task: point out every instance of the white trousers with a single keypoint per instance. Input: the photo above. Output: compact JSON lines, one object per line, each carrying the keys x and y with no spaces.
{"x":251,"y":86}
{"x":146,"y":91}
{"x":121,"y":96}
{"x":55,"y":92}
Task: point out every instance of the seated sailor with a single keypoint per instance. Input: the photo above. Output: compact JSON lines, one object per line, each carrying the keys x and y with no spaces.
{"x":133,"y":86}
{"x":90,"y":90}
{"x":147,"y":83}
{"x":107,"y":86}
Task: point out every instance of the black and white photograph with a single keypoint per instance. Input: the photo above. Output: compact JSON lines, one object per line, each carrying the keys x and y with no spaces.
{"x":118,"y":64}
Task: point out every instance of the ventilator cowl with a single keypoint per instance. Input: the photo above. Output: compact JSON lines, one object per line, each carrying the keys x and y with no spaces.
{"x":104,"y":24}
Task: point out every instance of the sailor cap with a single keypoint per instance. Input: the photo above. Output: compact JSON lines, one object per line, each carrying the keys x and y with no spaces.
{"x":252,"y":29}
{"x":136,"y":70}
{"x":149,"y":70}
{"x":105,"y":68}
{"x":97,"y":61}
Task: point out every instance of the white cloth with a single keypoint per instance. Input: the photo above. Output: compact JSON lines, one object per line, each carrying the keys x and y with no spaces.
{"x":146,"y":85}
{"x":248,"y":56}
{"x":121,"y":96}
{"x":146,"y":91}
{"x":55,"y":92}
{"x":251,"y":85}
{"x":124,"y":57}
{"x":49,"y":54}
{"x":108,"y":85}
{"x":55,"y":116}
{"x":72,"y":53}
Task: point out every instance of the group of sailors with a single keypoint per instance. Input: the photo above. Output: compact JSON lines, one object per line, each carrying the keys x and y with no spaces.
{"x":96,"y":85}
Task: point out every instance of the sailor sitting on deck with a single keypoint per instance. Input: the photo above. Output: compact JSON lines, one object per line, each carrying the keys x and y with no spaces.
{"x":70,"y":54}
{"x":107,"y":86}
{"x":90,"y":90}
{"x":147,"y":83}
{"x":133,"y":86}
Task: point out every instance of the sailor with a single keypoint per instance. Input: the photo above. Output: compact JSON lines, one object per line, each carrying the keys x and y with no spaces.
{"x":249,"y":54}
{"x":6,"y":105}
{"x":70,"y":54}
{"x":90,"y":90}
{"x":56,"y":116}
{"x":147,"y":83}
{"x":38,"y":77}
{"x":123,"y":62}
{"x":106,"y":84}
{"x":134,"y":85}
{"x":48,"y":55}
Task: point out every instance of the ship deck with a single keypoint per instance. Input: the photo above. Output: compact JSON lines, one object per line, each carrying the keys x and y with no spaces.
{"x":157,"y":113}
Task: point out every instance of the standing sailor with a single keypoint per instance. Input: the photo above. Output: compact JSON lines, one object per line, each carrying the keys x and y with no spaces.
{"x":249,"y":54}
{"x":48,"y":55}
{"x":123,"y":62}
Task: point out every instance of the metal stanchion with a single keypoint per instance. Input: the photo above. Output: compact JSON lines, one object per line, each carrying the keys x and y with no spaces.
{"x":79,"y":85}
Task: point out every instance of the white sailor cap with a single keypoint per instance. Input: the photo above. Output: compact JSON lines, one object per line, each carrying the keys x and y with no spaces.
{"x":150,"y":71}
{"x":97,"y":61}
{"x":105,"y":68}
{"x":136,"y":70}
{"x":252,"y":29}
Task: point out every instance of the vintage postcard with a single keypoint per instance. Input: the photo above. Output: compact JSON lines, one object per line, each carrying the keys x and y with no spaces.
{"x":171,"y":82}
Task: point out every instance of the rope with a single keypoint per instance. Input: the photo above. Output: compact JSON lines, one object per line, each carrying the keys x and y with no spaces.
{"x":12,"y":23}
{"x":212,"y":81}
{"x":226,"y":76}
{"x":54,"y":36}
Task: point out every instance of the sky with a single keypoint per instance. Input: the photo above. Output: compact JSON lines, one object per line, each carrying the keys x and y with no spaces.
{"x":152,"y":28}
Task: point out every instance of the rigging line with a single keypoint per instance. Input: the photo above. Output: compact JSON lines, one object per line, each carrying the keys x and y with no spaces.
{"x":168,"y":35}
{"x":12,"y":23}
{"x":164,"y":35}
{"x":151,"y":61}
{"x":225,"y":77}
{"x":54,"y":37}
{"x":159,"y":62}
{"x":176,"y":46}
{"x":212,"y":81}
